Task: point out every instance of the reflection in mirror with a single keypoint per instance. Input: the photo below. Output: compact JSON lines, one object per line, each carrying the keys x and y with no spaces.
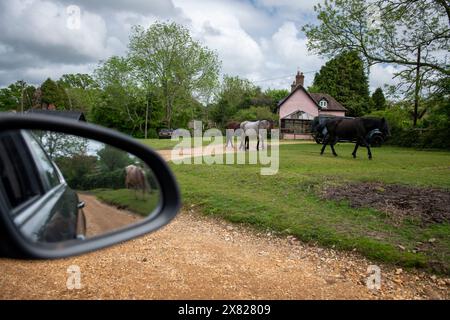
{"x":61,"y":187}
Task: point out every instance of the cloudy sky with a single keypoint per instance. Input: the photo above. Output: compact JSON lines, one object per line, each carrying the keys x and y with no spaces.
{"x":256,"y":39}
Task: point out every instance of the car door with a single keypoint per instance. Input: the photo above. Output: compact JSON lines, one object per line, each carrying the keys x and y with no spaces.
{"x":50,"y":213}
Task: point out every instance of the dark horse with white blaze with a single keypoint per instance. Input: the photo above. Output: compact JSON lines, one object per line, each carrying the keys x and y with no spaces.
{"x":354,"y":130}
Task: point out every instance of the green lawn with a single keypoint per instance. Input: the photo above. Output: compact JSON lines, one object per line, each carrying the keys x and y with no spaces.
{"x":288,"y":202}
{"x":127,"y":199}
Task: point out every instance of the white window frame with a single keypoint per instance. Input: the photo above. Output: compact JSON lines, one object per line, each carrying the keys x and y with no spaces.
{"x":323,"y":103}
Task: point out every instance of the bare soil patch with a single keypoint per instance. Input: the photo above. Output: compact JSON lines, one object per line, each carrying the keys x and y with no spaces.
{"x":426,"y":205}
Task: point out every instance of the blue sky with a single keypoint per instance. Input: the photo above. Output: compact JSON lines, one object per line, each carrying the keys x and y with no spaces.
{"x":256,"y":39}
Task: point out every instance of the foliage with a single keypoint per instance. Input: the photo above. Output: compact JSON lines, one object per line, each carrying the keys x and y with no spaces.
{"x":58,"y":144}
{"x":111,"y":158}
{"x":276,"y":95}
{"x":52,"y":93}
{"x":75,"y":168}
{"x":172,"y":65}
{"x":82,"y":91}
{"x":378,"y":100}
{"x":255,"y":113}
{"x":412,"y":35}
{"x":344,"y":78}
{"x":11,"y":97}
{"x":123,"y":103}
{"x":237,"y":95}
{"x":111,"y":180}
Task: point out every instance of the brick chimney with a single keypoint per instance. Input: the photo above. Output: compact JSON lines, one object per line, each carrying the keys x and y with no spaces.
{"x":299,"y":79}
{"x":293,"y":86}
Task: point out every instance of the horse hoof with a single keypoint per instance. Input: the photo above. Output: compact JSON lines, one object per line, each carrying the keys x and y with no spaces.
{"x":354,"y":156}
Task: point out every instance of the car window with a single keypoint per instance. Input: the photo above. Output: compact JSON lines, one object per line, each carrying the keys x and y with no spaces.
{"x":45,"y":164}
{"x":16,"y":178}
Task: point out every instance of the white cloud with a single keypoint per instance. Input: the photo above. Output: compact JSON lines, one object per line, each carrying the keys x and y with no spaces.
{"x":257,"y":39}
{"x":381,"y":75}
{"x":221,"y":30}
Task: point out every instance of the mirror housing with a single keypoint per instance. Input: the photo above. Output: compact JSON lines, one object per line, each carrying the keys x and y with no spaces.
{"x":14,"y":244}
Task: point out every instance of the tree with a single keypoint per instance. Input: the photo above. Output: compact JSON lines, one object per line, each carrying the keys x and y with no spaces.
{"x":255,"y":113}
{"x":122,"y":102}
{"x":378,"y":99}
{"x":169,"y":62}
{"x":410,"y":34}
{"x":81,"y":89}
{"x":111,"y":158}
{"x":58,"y":144}
{"x":17,"y":96}
{"x":276,"y":95}
{"x":235,"y":94}
{"x":344,"y":78}
{"x":78,"y":80}
{"x":54,"y":94}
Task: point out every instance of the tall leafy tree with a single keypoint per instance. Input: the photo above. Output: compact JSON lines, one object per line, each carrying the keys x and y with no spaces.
{"x":168,"y":61}
{"x":412,"y":35}
{"x":234,"y":94}
{"x":52,"y":93}
{"x":17,"y":96}
{"x":276,"y":95}
{"x":378,"y":99}
{"x":81,"y":89}
{"x":344,"y":78}
{"x":122,"y":102}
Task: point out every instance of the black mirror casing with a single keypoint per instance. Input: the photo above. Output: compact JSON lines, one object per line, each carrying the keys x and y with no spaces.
{"x":13,"y":244}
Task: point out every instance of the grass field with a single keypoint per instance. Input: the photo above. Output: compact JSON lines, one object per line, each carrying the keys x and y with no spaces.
{"x":126,"y":199}
{"x":288,"y":202}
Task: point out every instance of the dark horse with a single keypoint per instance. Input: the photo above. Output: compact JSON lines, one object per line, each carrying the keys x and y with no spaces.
{"x":354,"y":130}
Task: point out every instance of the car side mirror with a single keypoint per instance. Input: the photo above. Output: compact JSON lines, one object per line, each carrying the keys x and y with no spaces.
{"x":68,"y":187}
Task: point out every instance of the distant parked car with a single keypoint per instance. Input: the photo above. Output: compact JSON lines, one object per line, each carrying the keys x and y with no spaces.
{"x":165,"y":133}
{"x":319,"y":132}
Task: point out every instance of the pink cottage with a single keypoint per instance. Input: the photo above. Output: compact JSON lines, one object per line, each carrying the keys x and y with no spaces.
{"x":299,"y":108}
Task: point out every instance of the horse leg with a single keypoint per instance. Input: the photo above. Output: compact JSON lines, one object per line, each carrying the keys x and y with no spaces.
{"x":325,"y":142}
{"x":356,"y":148}
{"x":247,"y":142}
{"x":369,"y":153}
{"x":257,"y":144}
{"x":333,"y":142}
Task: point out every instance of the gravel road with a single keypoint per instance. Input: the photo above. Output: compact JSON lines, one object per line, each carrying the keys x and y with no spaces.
{"x":198,"y":257}
{"x":102,"y":218}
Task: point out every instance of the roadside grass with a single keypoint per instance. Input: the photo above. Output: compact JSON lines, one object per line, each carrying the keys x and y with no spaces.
{"x":288,"y":202}
{"x":126,"y":199}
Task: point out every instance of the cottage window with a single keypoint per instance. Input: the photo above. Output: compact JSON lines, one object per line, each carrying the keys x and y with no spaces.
{"x":323,"y":103}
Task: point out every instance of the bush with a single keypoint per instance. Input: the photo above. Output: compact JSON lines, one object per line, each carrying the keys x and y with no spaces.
{"x":110,"y":180}
{"x":255,"y":113}
{"x":434,"y":130}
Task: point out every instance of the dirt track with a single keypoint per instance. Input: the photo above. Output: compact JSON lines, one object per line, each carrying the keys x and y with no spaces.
{"x":101,"y":218}
{"x":207,"y":258}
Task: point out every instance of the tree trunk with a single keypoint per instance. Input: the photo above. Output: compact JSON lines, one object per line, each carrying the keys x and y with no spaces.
{"x":417,"y":90}
{"x":146,"y":120}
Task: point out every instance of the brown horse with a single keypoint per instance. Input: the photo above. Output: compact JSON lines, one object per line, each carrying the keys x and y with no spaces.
{"x":135,"y":179}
